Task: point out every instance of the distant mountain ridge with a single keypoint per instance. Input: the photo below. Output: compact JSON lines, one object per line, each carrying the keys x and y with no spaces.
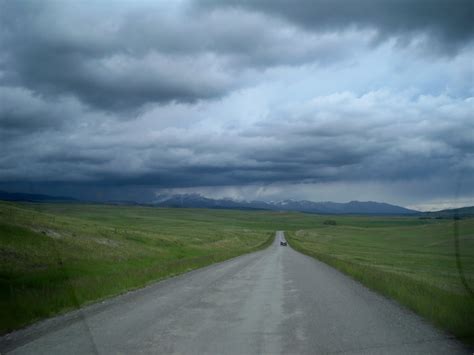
{"x":460,"y":212}
{"x":352,"y":207}
{"x":17,"y":196}
{"x":199,"y":201}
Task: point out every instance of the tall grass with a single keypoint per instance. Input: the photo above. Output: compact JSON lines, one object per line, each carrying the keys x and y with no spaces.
{"x":404,"y":279}
{"x":55,"y":259}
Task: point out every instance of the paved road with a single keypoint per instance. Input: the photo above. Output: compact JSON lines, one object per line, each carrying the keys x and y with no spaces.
{"x":273,"y":301}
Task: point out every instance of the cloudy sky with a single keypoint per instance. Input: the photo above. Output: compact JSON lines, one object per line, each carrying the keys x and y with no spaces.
{"x":314,"y":99}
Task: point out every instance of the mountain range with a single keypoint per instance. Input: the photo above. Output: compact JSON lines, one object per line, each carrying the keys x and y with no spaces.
{"x":17,"y":196}
{"x":461,"y":212}
{"x":353,"y":207}
{"x":199,"y":201}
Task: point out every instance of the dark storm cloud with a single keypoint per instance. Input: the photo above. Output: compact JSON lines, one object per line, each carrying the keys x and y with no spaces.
{"x":393,"y":143}
{"x":145,"y":95}
{"x":449,"y":23}
{"x":121,"y":57}
{"x":94,"y":53}
{"x":22,"y":112}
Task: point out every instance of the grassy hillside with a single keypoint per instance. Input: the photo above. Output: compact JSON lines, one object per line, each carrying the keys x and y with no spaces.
{"x":410,"y":262}
{"x":56,"y":257}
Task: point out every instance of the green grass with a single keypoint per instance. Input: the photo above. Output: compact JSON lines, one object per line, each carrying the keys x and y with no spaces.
{"x":410,"y":260}
{"x":57,"y":257}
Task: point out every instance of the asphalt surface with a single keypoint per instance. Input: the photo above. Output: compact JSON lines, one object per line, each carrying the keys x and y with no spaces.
{"x":275,"y":301}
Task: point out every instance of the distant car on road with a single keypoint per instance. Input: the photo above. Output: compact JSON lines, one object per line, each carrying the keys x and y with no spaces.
{"x":283,"y":243}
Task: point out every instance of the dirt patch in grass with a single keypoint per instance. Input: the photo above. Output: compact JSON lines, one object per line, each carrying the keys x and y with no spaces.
{"x":48,"y":232}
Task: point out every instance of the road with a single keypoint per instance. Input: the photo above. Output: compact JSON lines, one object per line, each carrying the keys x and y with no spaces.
{"x":276,"y":301}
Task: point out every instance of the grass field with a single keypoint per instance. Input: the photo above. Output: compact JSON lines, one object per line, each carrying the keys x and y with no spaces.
{"x":410,"y":260}
{"x":56,"y":257}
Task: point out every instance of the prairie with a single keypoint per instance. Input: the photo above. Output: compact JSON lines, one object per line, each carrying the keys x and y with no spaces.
{"x":413,"y":263}
{"x":57,"y":257}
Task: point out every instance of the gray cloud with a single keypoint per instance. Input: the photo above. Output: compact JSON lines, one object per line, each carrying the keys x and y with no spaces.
{"x":56,"y":49}
{"x":306,"y":148}
{"x":119,"y":58}
{"x":22,"y":111}
{"x":122,"y":57}
{"x":448,"y":23}
{"x":134,"y":98}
